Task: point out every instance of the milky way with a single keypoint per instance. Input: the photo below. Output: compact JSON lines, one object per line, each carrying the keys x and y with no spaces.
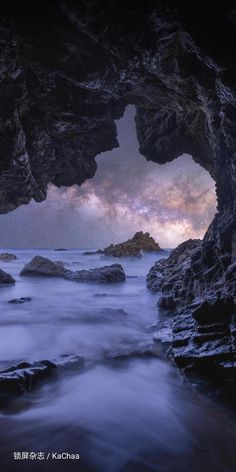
{"x":173,"y":202}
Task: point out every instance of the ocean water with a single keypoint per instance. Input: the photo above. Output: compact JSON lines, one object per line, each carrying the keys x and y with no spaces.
{"x":125,"y":411}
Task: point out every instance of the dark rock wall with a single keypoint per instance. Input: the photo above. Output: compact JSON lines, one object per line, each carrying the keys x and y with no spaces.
{"x":69,"y":68}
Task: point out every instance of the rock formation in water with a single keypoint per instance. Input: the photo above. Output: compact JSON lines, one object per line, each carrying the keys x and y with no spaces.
{"x":41,"y":266}
{"x":22,"y":378}
{"x":7,"y":257}
{"x":5,"y":278}
{"x":133,"y":247}
{"x":199,"y":287}
{"x":19,"y":301}
{"x":175,"y":61}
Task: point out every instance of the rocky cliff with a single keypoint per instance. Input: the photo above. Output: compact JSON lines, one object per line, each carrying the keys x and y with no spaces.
{"x":131,"y":248}
{"x":67,"y":70}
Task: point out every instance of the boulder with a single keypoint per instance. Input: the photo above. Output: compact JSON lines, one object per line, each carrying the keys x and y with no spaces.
{"x":7,"y":257}
{"x":6,"y":278}
{"x":41,"y":266}
{"x":20,"y":300}
{"x":198,"y":286}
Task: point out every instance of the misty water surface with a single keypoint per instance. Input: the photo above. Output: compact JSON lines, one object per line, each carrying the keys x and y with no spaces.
{"x":125,"y":411}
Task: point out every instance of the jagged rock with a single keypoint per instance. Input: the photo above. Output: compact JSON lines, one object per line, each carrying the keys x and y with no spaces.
{"x":20,"y":379}
{"x":167,"y":274}
{"x":41,"y":266}
{"x":20,"y":300}
{"x":214,"y":311}
{"x":133,"y":247}
{"x":107,"y":274}
{"x":91,"y":253}
{"x":7,"y":257}
{"x":57,"y":115}
{"x":6,"y":278}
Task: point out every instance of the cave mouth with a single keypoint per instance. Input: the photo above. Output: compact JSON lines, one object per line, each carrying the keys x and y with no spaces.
{"x":173,"y":202}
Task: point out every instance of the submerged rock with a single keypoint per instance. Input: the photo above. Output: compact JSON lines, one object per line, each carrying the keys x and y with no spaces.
{"x":6,"y":278}
{"x":133,"y":247}
{"x":22,"y":378}
{"x":20,"y":300}
{"x":41,"y":266}
{"x":7,"y":257}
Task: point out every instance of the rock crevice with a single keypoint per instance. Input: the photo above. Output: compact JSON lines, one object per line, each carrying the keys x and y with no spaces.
{"x":199,"y":286}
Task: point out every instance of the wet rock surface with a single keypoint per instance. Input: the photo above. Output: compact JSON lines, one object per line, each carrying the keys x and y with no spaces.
{"x":5,"y":278}
{"x":107,"y":274}
{"x":23,"y":377}
{"x":7,"y":257}
{"x":18,"y":301}
{"x":133,"y":247}
{"x":41,"y":266}
{"x":200,"y":289}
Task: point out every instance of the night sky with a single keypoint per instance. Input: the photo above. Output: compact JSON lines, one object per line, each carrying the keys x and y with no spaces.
{"x":173,"y":202}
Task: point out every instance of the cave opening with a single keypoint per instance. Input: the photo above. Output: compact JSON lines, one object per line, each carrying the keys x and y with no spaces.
{"x":173,"y":202}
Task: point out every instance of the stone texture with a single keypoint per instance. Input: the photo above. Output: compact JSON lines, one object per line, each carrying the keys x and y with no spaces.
{"x":133,"y":247}
{"x":18,"y":301}
{"x":41,"y":266}
{"x":22,"y":378}
{"x":7,"y":257}
{"x":5,"y":278}
{"x":199,"y":286}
